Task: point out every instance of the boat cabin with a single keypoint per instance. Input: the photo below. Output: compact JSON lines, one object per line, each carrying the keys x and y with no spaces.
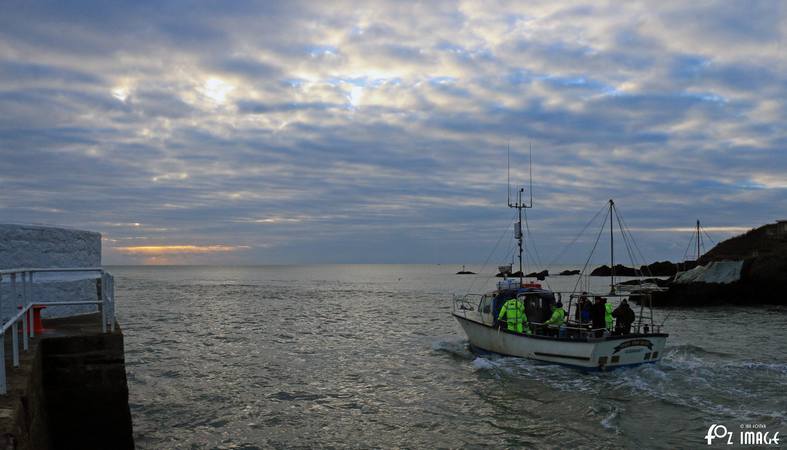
{"x":538,"y":303}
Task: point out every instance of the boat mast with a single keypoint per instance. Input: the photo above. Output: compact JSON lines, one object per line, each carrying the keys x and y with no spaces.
{"x":698,"y":241}
{"x":520,"y":205}
{"x":611,"y":248}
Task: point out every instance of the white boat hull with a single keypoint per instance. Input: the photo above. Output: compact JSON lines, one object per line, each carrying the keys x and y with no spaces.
{"x":591,"y":354}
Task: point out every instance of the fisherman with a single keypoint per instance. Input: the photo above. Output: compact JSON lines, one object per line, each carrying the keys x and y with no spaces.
{"x":558,"y":317}
{"x":580,"y":304}
{"x":597,"y":313}
{"x":608,"y":315}
{"x":582,"y":314}
{"x":515,"y":318}
{"x":586,"y":311}
{"x":625,"y":316}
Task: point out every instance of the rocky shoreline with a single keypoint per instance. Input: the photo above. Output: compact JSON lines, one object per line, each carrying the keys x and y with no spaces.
{"x":750,"y":269}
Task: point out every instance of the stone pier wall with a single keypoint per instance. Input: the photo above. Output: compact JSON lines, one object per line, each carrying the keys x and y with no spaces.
{"x":70,"y":391}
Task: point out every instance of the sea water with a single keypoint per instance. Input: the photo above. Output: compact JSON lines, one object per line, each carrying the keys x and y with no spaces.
{"x":368,"y":356}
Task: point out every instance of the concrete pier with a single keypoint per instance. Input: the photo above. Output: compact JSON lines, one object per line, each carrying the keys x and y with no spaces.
{"x":69,"y":391}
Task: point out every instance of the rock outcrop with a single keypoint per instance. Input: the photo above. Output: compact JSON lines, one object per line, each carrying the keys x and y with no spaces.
{"x":760,"y":254}
{"x":620,"y":271}
{"x":666,"y":268}
{"x":570,"y":272}
{"x":538,"y":275}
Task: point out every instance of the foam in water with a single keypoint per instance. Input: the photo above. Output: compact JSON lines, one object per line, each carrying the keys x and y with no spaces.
{"x":483,"y":363}
{"x":609,"y":421}
{"x":454,"y":347}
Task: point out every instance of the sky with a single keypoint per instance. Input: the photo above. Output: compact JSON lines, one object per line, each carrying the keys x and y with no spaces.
{"x":377,"y":132}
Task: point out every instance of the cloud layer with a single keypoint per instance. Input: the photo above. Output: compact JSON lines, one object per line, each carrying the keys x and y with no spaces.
{"x":336,"y":132}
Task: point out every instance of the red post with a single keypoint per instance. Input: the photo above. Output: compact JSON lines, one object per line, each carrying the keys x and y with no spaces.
{"x":38,"y":326}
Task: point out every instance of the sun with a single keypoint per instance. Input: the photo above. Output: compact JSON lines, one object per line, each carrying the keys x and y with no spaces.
{"x":217,"y":89}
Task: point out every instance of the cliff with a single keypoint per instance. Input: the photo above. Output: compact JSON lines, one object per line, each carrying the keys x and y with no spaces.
{"x":763,"y":250}
{"x":762,"y":257}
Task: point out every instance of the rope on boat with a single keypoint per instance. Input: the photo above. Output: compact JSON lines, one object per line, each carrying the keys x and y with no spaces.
{"x":706,"y":234}
{"x":686,"y":252}
{"x":483,"y":267}
{"x":628,"y":240}
{"x":595,"y":244}
{"x":537,"y":260}
{"x":624,"y":226}
{"x":565,"y":249}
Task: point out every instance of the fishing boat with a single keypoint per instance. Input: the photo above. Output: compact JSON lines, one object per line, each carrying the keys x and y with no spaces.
{"x":575,"y":343}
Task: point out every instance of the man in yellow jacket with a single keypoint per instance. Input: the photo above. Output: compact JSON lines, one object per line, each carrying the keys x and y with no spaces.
{"x":558,"y":316}
{"x":515,"y":318}
{"x":608,"y":315}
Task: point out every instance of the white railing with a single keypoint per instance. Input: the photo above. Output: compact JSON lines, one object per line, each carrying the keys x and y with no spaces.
{"x":21,"y":283}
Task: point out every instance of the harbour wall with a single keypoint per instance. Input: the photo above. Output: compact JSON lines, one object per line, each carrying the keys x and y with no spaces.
{"x":31,"y":246}
{"x":70,"y":391}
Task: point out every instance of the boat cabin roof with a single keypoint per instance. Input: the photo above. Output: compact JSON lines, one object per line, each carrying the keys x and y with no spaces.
{"x":519,"y":291}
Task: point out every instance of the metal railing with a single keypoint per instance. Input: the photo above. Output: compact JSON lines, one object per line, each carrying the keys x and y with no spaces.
{"x":21,"y":286}
{"x":643,"y":324}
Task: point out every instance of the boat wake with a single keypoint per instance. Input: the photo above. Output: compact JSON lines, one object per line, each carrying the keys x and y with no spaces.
{"x":688,"y":376}
{"x":610,"y":421}
{"x":457,"y":348}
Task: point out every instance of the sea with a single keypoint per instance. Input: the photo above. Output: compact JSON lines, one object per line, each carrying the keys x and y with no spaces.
{"x":369,"y":356}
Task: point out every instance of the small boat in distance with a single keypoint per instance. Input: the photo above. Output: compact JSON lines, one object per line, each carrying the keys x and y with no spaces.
{"x":464,"y":271}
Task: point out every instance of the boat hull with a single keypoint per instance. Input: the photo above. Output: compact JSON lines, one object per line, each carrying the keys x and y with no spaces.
{"x":591,"y":354}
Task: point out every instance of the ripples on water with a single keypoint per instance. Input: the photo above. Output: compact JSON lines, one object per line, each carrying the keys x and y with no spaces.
{"x":368,"y":356}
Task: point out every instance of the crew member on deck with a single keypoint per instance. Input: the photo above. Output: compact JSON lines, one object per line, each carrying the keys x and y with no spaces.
{"x":597,"y":314}
{"x":608,"y":315}
{"x":587,"y":309}
{"x":582,"y":313}
{"x":558,"y":317}
{"x":625,"y":316}
{"x":515,"y":318}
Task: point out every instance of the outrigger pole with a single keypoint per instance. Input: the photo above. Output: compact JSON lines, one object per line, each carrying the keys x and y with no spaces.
{"x":520,"y":205}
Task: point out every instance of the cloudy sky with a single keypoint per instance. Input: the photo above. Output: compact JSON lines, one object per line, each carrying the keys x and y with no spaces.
{"x":289,"y":132}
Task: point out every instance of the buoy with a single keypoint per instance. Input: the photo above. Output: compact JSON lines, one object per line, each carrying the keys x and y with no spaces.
{"x":38,"y":327}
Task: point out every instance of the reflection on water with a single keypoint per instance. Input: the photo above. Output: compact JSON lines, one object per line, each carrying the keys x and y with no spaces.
{"x":368,"y":356}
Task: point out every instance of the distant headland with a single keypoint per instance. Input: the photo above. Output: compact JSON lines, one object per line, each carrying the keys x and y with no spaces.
{"x":749,"y":269}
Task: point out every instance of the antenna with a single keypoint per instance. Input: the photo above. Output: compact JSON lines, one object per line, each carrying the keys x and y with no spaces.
{"x":509,"y":172}
{"x":530,"y":163}
{"x":520,"y":205}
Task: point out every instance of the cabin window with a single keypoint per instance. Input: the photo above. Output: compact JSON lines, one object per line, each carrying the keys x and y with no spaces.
{"x":655,"y":355}
{"x":615,"y":359}
{"x":486,"y":304}
{"x":602,"y":360}
{"x":647,"y":355}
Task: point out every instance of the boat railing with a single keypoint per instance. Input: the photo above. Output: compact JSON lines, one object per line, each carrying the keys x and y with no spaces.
{"x":21,"y":285}
{"x":645,"y":329}
{"x":467,"y":302}
{"x":643,"y":321}
{"x":585,"y":330}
